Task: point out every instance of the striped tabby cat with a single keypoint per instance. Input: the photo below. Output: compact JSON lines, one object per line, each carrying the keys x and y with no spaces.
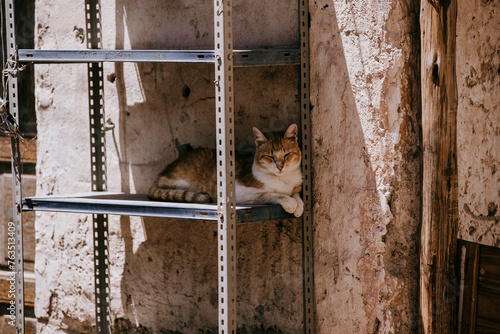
{"x":273,"y":177}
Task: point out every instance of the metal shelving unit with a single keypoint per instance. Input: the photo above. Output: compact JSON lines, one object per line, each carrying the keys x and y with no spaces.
{"x":101,"y":203}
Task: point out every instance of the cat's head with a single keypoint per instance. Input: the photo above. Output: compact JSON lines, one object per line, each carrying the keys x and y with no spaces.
{"x":279,"y":154}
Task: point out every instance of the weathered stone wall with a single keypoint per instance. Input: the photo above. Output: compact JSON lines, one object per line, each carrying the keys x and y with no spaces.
{"x":365,"y":116}
{"x":478,"y":81}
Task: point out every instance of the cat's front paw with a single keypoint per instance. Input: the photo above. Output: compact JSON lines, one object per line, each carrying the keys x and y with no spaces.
{"x":300,"y":207}
{"x":289,"y":204}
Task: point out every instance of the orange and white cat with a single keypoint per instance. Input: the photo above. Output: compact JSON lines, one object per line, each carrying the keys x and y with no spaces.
{"x":274,"y":175}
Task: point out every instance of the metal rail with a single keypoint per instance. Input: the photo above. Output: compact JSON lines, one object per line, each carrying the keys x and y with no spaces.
{"x":242,"y":58}
{"x":16,"y":165}
{"x":307,"y":231}
{"x":98,"y":167}
{"x":226,"y":197}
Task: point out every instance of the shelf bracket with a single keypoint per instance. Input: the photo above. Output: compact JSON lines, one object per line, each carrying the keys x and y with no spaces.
{"x":307,"y":231}
{"x":226,"y":197}
{"x":98,"y":167}
{"x":16,"y":165}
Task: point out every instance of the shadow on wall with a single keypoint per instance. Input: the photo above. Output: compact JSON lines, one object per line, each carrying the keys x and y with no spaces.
{"x":169,"y":280}
{"x":366,"y":185}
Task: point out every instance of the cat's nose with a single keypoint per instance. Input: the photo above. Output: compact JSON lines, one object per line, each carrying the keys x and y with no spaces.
{"x":280,"y":167}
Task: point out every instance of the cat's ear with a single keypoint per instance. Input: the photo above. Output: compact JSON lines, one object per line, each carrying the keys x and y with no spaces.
{"x":259,"y":137}
{"x":291,"y":133}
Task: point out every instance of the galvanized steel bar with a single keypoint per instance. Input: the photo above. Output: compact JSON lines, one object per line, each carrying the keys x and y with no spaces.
{"x":226,"y":199}
{"x":307,"y":231}
{"x":84,"y":56}
{"x":16,"y":165}
{"x":140,"y":205}
{"x":98,"y":167}
{"x":241,"y":57}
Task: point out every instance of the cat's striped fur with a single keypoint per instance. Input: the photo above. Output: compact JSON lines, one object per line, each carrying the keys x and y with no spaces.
{"x":273,"y":176}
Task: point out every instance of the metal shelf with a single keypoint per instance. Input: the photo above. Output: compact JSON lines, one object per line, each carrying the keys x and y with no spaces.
{"x":101,"y":203}
{"x":139,"y":205}
{"x":242,"y":58}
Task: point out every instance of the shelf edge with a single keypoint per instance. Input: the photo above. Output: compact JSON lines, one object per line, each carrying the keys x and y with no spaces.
{"x":138,"y":205}
{"x":242,"y":58}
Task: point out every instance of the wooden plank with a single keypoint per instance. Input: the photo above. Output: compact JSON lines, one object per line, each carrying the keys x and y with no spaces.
{"x":469,"y":259}
{"x":488,"y":305}
{"x":28,"y":150}
{"x":489,"y":268}
{"x":6,"y":216}
{"x":6,"y":288}
{"x":488,"y":311}
{"x":437,"y":299}
{"x":6,"y":328}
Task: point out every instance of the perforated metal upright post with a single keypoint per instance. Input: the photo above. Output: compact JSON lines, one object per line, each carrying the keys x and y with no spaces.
{"x":98,"y":166}
{"x":16,"y":166}
{"x":307,"y":231}
{"x":226,"y":199}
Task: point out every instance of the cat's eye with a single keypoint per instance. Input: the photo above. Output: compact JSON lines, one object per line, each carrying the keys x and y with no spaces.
{"x":270,"y":157}
{"x":287,"y":155}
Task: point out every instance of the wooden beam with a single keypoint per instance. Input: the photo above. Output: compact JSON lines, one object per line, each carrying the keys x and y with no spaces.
{"x":6,"y":288}
{"x":437,"y":299}
{"x":469,"y":267}
{"x":28,"y":150}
